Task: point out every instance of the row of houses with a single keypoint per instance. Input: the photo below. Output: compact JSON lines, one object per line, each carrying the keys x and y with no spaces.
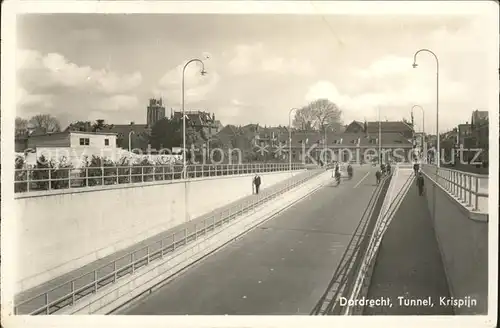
{"x":468,"y":137}
{"x":357,"y":138}
{"x":108,"y":138}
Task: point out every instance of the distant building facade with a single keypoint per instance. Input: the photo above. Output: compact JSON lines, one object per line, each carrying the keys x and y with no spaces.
{"x":372,"y":128}
{"x":344,"y":147}
{"x":155,"y":111}
{"x":464,"y":135}
{"x":480,"y":128}
{"x":306,"y":144}
{"x":200,"y":120}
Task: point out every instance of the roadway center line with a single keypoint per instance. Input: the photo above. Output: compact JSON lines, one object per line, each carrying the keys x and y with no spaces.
{"x":357,"y":184}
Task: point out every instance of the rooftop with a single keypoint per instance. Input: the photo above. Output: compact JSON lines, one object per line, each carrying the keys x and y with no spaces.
{"x":67,"y":132}
{"x":392,"y":126}
{"x":122,"y":130}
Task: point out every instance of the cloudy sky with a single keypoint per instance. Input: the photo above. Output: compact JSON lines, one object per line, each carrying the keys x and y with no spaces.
{"x":91,"y":66}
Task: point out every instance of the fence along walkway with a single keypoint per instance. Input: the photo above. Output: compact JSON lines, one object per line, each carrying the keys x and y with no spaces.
{"x":49,"y":178}
{"x":468,"y":188}
{"x":37,"y":298}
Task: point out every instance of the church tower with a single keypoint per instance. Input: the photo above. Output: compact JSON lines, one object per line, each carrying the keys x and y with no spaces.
{"x":155,"y":111}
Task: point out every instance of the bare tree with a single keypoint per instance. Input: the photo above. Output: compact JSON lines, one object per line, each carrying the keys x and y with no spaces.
{"x":45,"y":122}
{"x":21,"y":125}
{"x":304,"y":119}
{"x":320,"y":114}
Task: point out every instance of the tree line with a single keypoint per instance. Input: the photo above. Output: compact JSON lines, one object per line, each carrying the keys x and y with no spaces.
{"x":44,"y":123}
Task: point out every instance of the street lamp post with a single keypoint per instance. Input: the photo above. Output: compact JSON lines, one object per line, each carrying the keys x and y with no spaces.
{"x":290,"y":138}
{"x":326,"y":142}
{"x":202,"y":72}
{"x":130,"y":141}
{"x":207,"y":148}
{"x":379,"y":137}
{"x":324,"y":147}
{"x":423,"y":123}
{"x":438,"y":161}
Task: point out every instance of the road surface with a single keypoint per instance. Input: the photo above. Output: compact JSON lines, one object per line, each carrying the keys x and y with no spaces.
{"x":282,"y":267}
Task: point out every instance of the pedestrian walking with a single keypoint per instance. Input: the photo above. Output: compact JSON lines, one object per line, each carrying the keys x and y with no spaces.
{"x":382,"y":168}
{"x":420,"y":183}
{"x":337,"y":177}
{"x":416,"y":168}
{"x":256,"y":183}
{"x":378,"y":175}
{"x":388,"y":169}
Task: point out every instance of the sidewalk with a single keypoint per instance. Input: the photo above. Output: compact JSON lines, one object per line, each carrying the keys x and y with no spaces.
{"x":89,"y":268}
{"x":409,"y":262}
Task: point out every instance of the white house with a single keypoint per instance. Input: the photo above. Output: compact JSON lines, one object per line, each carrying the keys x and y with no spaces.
{"x":74,"y":146}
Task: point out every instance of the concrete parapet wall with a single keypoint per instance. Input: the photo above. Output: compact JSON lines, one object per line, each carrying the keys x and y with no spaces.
{"x":61,"y":232}
{"x":463,"y":242}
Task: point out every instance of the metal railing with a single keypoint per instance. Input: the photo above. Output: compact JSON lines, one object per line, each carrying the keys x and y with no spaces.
{"x":37,"y":179}
{"x":469,"y":188}
{"x":68,"y":293}
{"x":368,"y":258}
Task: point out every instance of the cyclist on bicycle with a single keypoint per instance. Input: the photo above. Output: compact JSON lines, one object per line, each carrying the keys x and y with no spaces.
{"x":337,"y":176}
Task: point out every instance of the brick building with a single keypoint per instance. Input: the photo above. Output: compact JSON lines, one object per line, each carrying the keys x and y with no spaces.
{"x":201,"y":121}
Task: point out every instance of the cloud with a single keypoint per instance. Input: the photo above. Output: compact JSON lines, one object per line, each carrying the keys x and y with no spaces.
{"x":256,"y":58}
{"x":244,"y":56}
{"x":33,"y":100}
{"x":119,"y":102}
{"x":236,"y":102}
{"x":388,"y":83}
{"x":386,"y":67}
{"x":197,"y":86}
{"x":468,"y":78}
{"x":54,"y":72}
{"x":52,"y":83}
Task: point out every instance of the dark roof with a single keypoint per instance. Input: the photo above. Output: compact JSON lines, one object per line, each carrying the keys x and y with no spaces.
{"x":317,"y":137}
{"x":357,"y":123}
{"x":122,"y":130}
{"x":269,"y":131}
{"x":392,"y":138}
{"x":199,"y":118}
{"x":228,"y":130}
{"x":388,"y":126}
{"x":347,"y":139}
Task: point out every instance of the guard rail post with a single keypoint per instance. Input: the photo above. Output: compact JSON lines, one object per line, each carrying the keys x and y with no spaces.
{"x":476,"y":205}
